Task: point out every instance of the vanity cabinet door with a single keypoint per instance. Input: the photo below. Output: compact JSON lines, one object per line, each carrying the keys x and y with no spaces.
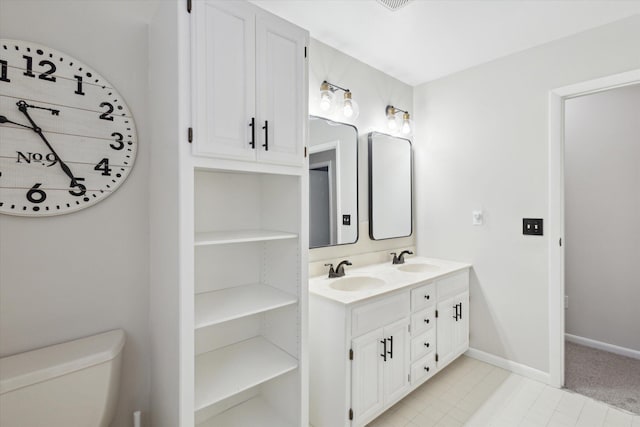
{"x":396,"y":367}
{"x":452,"y":328}
{"x":280,"y":63}
{"x":367,"y":392}
{"x":445,"y":331}
{"x":223,"y":44}
{"x":462,"y":325}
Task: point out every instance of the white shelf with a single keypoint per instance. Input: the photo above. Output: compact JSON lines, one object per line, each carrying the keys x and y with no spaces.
{"x":240,"y":236}
{"x":230,"y":370}
{"x":220,"y":306}
{"x":252,"y":413}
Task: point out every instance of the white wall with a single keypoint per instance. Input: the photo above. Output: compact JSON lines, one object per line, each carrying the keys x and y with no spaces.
{"x":74,"y":275}
{"x":481,"y":143}
{"x":373,"y":90}
{"x":602,"y":207}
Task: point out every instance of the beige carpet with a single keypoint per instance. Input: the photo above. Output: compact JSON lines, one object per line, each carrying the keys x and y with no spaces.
{"x":604,"y":376}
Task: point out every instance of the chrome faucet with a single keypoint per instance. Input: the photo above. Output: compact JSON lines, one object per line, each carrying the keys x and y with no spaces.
{"x":400,"y":259}
{"x":339,"y":271}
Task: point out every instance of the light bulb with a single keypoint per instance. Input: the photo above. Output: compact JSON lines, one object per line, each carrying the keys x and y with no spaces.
{"x":350,"y":107}
{"x":391,"y":117}
{"x":326,"y":96}
{"x":325,"y":101}
{"x":407,"y":125}
{"x":391,"y":122}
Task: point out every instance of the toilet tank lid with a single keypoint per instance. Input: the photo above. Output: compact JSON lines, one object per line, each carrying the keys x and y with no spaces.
{"x":31,"y":367}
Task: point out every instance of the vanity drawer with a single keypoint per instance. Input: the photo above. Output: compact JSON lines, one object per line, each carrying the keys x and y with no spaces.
{"x":424,"y":296}
{"x":423,"y":344}
{"x":453,"y":285}
{"x":423,"y":369}
{"x":423,"y":320}
{"x":374,"y":315}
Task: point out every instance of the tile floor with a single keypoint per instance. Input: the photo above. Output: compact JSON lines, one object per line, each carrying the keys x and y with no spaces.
{"x":475,"y":394}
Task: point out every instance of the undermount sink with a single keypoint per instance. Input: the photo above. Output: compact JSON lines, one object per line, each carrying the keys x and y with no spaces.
{"x":418,"y":268}
{"x":356,"y":283}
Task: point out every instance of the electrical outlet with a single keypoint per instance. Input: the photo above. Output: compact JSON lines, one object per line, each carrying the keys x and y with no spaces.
{"x":532,"y":226}
{"x":346,"y":219}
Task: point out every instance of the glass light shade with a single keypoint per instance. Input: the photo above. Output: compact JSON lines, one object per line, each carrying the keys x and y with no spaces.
{"x":350,"y":108}
{"x":326,"y":96}
{"x":392,"y":122}
{"x":407,"y":125}
{"x":326,"y":100}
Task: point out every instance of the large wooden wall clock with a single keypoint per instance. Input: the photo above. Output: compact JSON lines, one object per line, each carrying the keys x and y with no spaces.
{"x":67,"y":138}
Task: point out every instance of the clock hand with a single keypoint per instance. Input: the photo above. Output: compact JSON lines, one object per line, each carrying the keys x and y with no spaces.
{"x":22,"y":106}
{"x":3,"y":119}
{"x":54,"y":112}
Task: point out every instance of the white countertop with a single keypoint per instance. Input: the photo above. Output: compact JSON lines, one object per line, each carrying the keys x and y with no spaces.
{"x":393,"y":277}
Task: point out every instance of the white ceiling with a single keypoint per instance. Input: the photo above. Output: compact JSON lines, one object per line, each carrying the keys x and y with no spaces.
{"x":428,"y":39}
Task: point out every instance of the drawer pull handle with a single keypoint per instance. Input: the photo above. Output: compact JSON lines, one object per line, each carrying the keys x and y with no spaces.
{"x":426,"y":320}
{"x":426,"y":368}
{"x":426,"y":344}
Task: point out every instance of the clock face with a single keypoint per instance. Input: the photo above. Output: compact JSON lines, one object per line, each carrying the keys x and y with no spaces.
{"x":67,"y":138}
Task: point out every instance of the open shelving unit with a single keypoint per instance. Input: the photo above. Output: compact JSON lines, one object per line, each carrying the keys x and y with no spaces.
{"x":247,"y":294}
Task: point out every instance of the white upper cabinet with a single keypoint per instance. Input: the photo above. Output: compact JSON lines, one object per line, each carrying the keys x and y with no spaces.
{"x":248,"y":84}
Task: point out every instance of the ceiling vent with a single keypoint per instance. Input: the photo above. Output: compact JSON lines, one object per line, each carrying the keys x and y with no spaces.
{"x":394,"y":4}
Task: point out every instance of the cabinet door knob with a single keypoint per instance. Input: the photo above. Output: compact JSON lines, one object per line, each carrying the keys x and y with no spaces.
{"x":426,"y":344}
{"x":426,"y":297}
{"x":426,"y":320}
{"x":426,"y":368}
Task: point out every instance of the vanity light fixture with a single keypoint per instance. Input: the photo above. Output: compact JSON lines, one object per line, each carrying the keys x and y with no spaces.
{"x":349,"y":107}
{"x":406,"y":127}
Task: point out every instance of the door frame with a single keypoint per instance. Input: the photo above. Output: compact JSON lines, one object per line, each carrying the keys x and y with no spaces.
{"x":556,"y":219}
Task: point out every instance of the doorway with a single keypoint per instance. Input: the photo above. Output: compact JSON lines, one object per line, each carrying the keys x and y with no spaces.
{"x":602,"y":248}
{"x":559,"y":207}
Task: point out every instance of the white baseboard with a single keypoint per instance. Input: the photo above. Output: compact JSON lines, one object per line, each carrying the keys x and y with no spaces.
{"x":509,"y":365}
{"x":587,"y":342}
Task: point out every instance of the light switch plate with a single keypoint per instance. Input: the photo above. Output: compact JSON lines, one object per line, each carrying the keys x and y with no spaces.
{"x":532,"y":226}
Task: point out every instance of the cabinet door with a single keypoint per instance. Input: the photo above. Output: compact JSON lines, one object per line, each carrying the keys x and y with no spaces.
{"x":282,"y":93}
{"x":367,"y":376}
{"x":396,"y":368}
{"x":462,"y":325}
{"x":446,"y":331}
{"x":223,"y":46}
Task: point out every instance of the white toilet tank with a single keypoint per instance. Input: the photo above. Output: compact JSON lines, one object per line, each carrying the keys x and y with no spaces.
{"x":74,"y":384}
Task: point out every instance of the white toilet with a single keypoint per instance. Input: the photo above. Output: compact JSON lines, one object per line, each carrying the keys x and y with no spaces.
{"x":74,"y":384}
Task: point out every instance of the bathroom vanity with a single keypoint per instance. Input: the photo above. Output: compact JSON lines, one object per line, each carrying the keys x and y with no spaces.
{"x":381,"y":331}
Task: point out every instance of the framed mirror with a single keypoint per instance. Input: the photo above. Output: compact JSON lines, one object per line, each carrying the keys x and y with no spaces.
{"x":333,"y":183}
{"x":390,"y":187}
